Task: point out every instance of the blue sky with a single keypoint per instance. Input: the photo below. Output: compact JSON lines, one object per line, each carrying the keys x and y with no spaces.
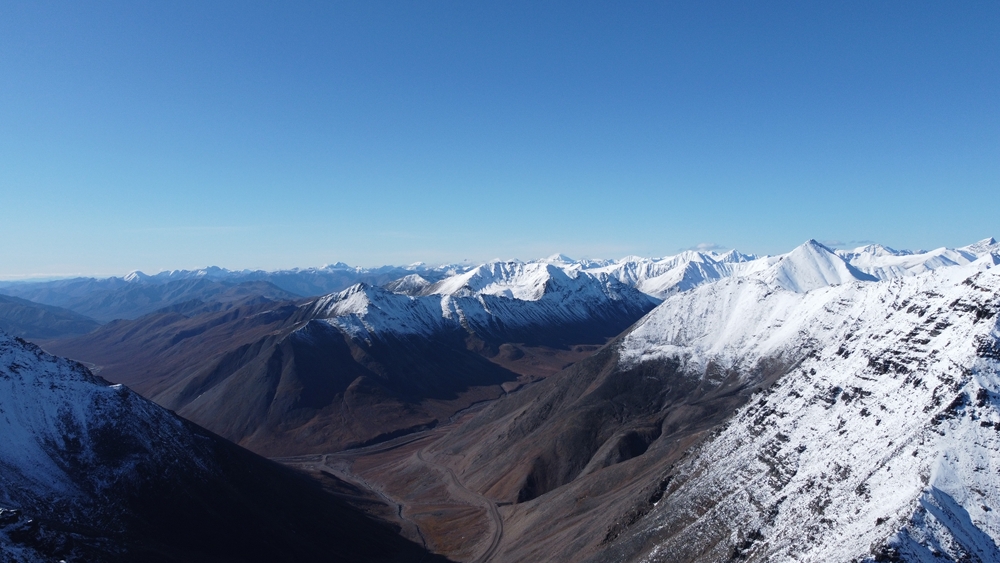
{"x":271,"y":135}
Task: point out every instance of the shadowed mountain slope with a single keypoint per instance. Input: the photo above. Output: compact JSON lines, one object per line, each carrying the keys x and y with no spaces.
{"x":114,"y":298}
{"x":23,"y":318}
{"x":345,"y":369}
{"x":93,"y":472}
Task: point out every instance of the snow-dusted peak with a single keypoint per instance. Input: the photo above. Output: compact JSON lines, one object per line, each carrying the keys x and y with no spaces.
{"x":337,"y":266}
{"x":811,"y":266}
{"x":363,"y":311}
{"x":736,"y":321}
{"x":210,"y":272}
{"x":52,"y":408}
{"x":515,"y":280}
{"x":661,"y":277}
{"x":871,"y":251}
{"x":412,"y":284}
{"x":885,"y":263}
{"x":686,"y":257}
{"x":136,"y":276}
{"x":558,"y":258}
{"x":881,"y":433}
{"x":735,"y":257}
{"x":496,"y":299}
{"x":352,"y":300}
{"x":984,"y":246}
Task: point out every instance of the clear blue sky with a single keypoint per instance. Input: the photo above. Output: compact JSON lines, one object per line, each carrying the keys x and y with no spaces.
{"x":160,"y":135}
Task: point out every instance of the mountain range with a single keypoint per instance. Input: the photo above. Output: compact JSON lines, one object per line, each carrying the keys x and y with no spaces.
{"x":819,"y":405}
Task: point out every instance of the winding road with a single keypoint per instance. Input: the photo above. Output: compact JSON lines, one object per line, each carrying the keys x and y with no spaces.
{"x":346,"y":475}
{"x":476,"y":498}
{"x":338,"y":465}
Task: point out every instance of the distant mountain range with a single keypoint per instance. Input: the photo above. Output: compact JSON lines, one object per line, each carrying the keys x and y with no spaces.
{"x":137,"y":294}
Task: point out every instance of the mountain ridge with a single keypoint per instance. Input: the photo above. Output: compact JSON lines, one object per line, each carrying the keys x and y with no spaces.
{"x":93,"y":472}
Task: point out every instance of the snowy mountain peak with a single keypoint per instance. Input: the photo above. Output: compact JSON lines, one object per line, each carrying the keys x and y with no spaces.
{"x":363,"y":311}
{"x":495,"y":298}
{"x":518,"y":280}
{"x":336,"y":266}
{"x":413,"y":284}
{"x":813,"y":243}
{"x":734,"y":256}
{"x":811,"y":266}
{"x":877,"y":250}
{"x":881,"y":433}
{"x":136,"y":276}
{"x":984,"y":246}
{"x":559,"y":259}
{"x":54,"y":408}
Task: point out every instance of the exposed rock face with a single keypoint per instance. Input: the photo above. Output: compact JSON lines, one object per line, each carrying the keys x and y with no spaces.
{"x":881,"y":442}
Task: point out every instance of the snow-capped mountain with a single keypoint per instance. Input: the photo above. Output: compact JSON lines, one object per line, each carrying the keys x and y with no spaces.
{"x":986,"y":246}
{"x":660,"y":277}
{"x":93,"y":472}
{"x":799,"y":410}
{"x":306,"y":281}
{"x":412,"y":284}
{"x":881,"y":440}
{"x":886,"y":263}
{"x":810,"y":266}
{"x":246,"y":371}
{"x":365,"y":312}
{"x":137,"y":293}
{"x":508,"y":301}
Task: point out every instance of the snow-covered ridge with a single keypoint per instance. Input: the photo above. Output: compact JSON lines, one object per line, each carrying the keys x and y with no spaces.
{"x":811,"y":266}
{"x":556,"y":291}
{"x":216,"y":273}
{"x":516,"y":280}
{"x":740,"y":320}
{"x":550,"y":299}
{"x":657,"y":277}
{"x":884,"y":435}
{"x":363,"y":311}
{"x":68,"y":434}
{"x":886,"y":263}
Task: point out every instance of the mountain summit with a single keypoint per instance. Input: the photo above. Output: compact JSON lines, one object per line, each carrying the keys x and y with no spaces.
{"x":811,"y":266}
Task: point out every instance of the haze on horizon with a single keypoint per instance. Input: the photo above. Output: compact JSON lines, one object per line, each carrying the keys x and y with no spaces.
{"x":182,"y":135}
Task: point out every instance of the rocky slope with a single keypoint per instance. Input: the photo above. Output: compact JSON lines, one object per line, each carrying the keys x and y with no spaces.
{"x":880,"y":443}
{"x":93,"y":472}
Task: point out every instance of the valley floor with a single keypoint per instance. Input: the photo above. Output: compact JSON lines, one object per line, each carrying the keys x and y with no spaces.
{"x":428,"y":500}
